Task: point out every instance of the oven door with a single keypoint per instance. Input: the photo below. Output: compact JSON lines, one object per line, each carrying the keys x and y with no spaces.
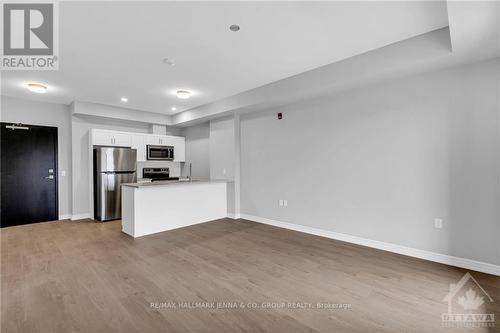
{"x":160,"y":152}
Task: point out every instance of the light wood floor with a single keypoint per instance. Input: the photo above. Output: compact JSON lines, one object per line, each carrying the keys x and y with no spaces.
{"x":88,"y":277}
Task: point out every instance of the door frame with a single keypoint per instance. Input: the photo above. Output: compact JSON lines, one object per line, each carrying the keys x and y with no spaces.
{"x":56,"y":159}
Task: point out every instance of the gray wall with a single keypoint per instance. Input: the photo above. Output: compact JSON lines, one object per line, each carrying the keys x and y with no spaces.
{"x":383,"y":161}
{"x":197,"y":150}
{"x":46,"y":114}
{"x":222,"y":156}
{"x":210,"y":147}
{"x":222,"y":148}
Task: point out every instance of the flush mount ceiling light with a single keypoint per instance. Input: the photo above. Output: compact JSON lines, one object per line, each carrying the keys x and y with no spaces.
{"x":37,"y":88}
{"x":234,"y":27}
{"x":183,"y":94}
{"x":124,"y":99}
{"x":173,"y":108}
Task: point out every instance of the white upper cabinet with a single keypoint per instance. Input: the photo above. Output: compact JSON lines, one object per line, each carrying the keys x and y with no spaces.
{"x":159,"y":140}
{"x":179,"y":144}
{"x":110,"y":138}
{"x":122,"y":139}
{"x":101,"y":138}
{"x":139,"y":142}
{"x":152,"y":139}
{"x":165,"y":140}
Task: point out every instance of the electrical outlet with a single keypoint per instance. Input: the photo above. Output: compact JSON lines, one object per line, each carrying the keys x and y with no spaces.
{"x":281,"y":203}
{"x":63,"y":173}
{"x":223,"y":171}
{"x":285,"y":203}
{"x":438,"y":223}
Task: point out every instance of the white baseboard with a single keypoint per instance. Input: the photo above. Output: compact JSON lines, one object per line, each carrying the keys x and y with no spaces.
{"x":64,"y":217}
{"x":408,"y":251}
{"x":233,"y":216}
{"x":80,"y":216}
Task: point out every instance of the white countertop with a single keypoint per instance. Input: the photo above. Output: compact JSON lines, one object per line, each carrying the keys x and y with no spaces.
{"x":172,"y":183}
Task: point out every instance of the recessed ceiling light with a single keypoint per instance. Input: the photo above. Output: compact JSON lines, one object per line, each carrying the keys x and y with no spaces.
{"x":124,"y":99}
{"x":169,"y":61}
{"x":37,"y":88}
{"x":173,"y":108}
{"x":234,"y":27}
{"x":183,"y":94}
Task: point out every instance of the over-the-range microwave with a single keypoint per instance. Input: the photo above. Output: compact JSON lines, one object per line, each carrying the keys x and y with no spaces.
{"x":161,"y":153}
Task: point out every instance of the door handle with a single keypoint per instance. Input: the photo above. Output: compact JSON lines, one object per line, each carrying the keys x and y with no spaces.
{"x":49,"y":177}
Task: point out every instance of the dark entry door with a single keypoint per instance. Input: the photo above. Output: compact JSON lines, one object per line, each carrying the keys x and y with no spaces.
{"x":29,"y":174}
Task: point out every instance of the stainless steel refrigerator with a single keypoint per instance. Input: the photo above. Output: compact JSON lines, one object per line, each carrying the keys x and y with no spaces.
{"x":112,"y":167}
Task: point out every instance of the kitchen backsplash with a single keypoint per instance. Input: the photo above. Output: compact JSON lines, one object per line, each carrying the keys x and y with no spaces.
{"x":175,"y":167}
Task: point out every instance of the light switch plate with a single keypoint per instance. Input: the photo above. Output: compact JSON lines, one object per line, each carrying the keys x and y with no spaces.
{"x":438,"y":223}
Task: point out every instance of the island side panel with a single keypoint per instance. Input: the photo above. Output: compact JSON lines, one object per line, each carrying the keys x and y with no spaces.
{"x":128,"y":210}
{"x":165,"y":208}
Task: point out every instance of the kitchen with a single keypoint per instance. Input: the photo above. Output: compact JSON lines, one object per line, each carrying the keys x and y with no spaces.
{"x":158,"y":200}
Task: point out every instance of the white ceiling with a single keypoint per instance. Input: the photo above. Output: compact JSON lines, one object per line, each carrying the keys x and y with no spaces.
{"x":114,"y":49}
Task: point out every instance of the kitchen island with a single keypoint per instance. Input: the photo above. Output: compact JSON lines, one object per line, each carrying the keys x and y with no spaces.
{"x":148,"y":208}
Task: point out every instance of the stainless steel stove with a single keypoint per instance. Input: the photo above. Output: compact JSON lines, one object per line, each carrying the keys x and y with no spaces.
{"x":156,"y":174}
